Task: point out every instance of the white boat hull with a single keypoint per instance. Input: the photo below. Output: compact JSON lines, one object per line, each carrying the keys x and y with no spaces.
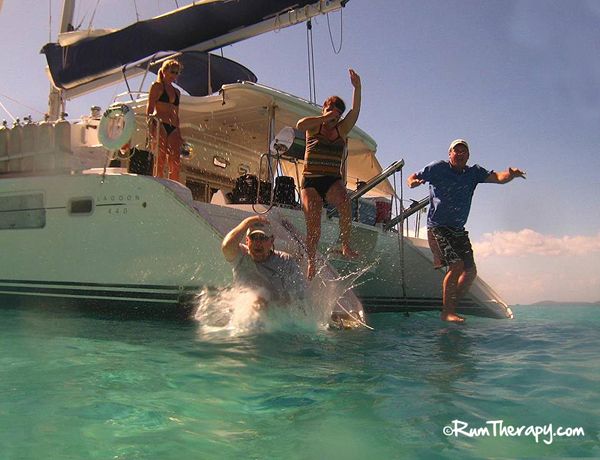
{"x":144,"y":246}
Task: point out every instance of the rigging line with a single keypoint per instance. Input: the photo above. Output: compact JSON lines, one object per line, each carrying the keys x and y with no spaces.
{"x":83,"y":18}
{"x":400,"y":238}
{"x":341,"y":32}
{"x":127,"y":83}
{"x":49,"y":21}
{"x":312,"y":57}
{"x":137,"y":15}
{"x":93,"y":15}
{"x":312,"y":89}
{"x":402,"y":263}
{"x":6,"y":110}
{"x":308,"y":64}
{"x":18,"y":102}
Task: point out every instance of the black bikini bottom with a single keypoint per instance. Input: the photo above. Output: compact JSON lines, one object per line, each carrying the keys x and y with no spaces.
{"x":169,"y":128}
{"x":321,"y":184}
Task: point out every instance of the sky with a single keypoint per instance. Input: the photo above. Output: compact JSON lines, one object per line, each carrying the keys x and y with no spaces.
{"x":520,"y":80}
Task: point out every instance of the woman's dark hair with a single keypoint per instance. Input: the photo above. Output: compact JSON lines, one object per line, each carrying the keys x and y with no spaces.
{"x":337,"y":102}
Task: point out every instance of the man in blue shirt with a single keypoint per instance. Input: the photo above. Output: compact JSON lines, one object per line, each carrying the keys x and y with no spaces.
{"x":451,"y":187}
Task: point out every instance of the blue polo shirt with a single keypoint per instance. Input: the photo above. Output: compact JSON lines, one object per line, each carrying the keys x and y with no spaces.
{"x":450,"y":192}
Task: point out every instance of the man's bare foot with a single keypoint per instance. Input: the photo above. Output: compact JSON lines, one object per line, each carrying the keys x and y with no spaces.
{"x":349,"y":253}
{"x":451,"y":317}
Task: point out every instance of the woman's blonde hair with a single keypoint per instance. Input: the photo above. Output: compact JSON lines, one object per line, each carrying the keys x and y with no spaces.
{"x":169,"y":64}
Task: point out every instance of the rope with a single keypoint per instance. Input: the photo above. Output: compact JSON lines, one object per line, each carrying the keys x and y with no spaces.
{"x":14,"y":100}
{"x":49,"y":21}
{"x":137,"y":14}
{"x":341,"y":33}
{"x":6,"y":110}
{"x":401,"y":241}
{"x":93,"y":15}
{"x":83,"y":17}
{"x":312,"y":89}
{"x":258,"y":185}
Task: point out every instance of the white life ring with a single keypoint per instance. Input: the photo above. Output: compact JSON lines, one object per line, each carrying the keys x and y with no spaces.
{"x":116,"y":127}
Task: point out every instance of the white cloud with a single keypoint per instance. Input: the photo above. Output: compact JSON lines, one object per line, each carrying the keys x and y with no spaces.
{"x":528,"y":242}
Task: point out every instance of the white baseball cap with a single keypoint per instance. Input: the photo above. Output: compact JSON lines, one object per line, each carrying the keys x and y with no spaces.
{"x":260,"y":227}
{"x":459,"y":141}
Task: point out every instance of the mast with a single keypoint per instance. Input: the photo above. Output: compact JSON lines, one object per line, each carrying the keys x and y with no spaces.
{"x":55,"y":98}
{"x":66,"y":23}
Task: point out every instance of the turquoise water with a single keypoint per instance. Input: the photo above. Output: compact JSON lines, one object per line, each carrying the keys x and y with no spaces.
{"x":77,"y":387}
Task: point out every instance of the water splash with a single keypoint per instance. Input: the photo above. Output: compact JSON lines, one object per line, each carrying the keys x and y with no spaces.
{"x":332,"y":291}
{"x":235,"y":311}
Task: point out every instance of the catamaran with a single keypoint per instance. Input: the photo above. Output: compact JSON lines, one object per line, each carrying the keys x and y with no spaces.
{"x":83,"y":222}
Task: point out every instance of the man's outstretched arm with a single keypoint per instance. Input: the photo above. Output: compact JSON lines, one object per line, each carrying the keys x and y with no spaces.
{"x":414,"y":181}
{"x":505,"y":176}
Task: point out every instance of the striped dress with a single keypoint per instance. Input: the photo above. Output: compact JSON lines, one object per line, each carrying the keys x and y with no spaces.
{"x":322,"y":156}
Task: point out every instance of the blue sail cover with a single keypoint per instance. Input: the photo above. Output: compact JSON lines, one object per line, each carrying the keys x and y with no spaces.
{"x":183,"y":28}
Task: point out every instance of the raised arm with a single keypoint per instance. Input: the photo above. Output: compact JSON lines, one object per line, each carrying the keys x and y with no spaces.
{"x":231,"y":242}
{"x":350,"y":120}
{"x":505,"y":176}
{"x":414,"y":181}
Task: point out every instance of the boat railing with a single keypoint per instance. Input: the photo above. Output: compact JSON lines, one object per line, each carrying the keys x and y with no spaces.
{"x":406,"y":213}
{"x":130,"y":94}
{"x":372,"y":183}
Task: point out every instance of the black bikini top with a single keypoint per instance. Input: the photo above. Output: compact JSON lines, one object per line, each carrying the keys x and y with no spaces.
{"x":164,"y":97}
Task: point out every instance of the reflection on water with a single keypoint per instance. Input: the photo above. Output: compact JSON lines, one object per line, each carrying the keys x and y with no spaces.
{"x":457,"y":361}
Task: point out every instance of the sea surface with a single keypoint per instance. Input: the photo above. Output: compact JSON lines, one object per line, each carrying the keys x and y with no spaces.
{"x":75,"y":386}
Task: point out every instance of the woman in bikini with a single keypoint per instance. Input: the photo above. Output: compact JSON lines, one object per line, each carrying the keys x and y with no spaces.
{"x":322,"y":177}
{"x":163,"y":105}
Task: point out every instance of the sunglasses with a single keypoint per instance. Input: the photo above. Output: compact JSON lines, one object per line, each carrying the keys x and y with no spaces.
{"x":259,"y":236}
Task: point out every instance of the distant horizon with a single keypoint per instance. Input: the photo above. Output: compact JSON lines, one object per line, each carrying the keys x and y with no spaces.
{"x":558,"y":303}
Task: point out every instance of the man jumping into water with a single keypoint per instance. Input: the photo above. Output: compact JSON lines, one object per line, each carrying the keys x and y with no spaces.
{"x":273,"y":275}
{"x":451,"y":187}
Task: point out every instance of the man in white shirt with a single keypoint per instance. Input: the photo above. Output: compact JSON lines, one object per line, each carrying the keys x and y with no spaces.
{"x":273,"y":275}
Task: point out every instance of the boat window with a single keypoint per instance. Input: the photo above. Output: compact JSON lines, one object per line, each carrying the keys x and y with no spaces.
{"x":22,"y":211}
{"x":81,"y":206}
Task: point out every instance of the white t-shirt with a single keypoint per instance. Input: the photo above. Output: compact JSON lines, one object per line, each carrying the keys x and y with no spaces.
{"x":276,"y":278}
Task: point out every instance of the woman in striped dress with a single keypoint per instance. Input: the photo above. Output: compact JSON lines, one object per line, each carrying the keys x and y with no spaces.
{"x":326,"y":137}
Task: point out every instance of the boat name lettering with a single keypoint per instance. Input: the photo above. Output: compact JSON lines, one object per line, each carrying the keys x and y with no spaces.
{"x":119,"y":198}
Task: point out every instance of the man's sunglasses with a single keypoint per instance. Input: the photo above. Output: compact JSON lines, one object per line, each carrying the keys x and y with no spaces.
{"x":259,"y":236}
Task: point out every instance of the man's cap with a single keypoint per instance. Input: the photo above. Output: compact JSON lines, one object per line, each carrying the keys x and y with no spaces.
{"x":260,"y":227}
{"x":459,"y":141}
